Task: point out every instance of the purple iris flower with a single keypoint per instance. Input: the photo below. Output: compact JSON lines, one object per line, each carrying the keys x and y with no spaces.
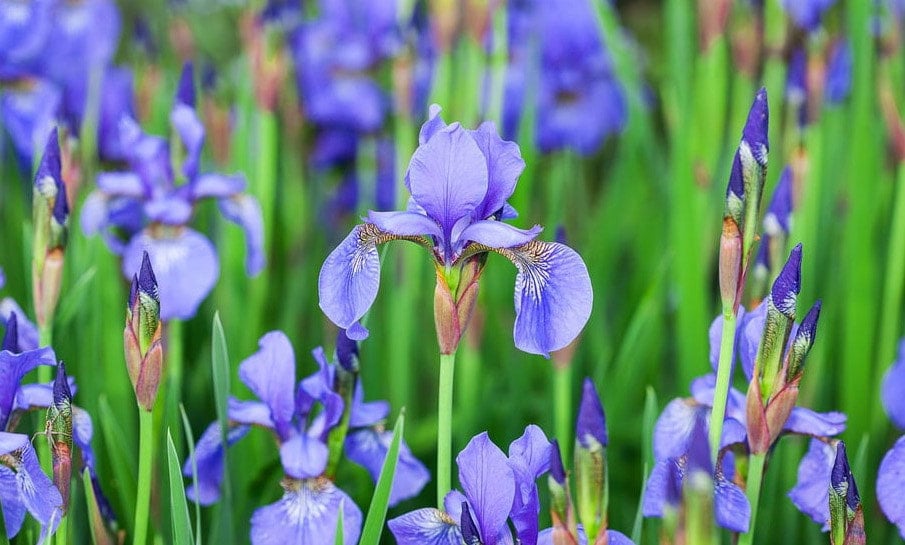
{"x":24,"y":27}
{"x":29,"y":112}
{"x":807,"y":14}
{"x":301,"y":418}
{"x":334,"y":56}
{"x":460,"y":181}
{"x":839,"y":73}
{"x":495,"y":489}
{"x":579,"y":102}
{"x":674,"y":433}
{"x":154,"y":204}
{"x":613,"y":537}
{"x":891,"y":475}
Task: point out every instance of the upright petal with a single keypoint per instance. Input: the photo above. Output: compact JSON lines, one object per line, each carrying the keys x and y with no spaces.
{"x":368,"y":448}
{"x":529,"y":458}
{"x":553,"y":296}
{"x":350,"y":277}
{"x":890,"y":483}
{"x":270,"y":374}
{"x":811,"y":493}
{"x":186,"y":266}
{"x":488,"y":482}
{"x":448,"y":176}
{"x":504,"y":166}
{"x":303,"y":457}
{"x":12,"y":368}
{"x":425,"y":527}
{"x":244,"y":211}
{"x":307,"y":513}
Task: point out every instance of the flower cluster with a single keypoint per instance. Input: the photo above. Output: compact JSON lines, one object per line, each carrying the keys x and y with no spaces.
{"x":305,"y":421}
{"x":149,"y":208}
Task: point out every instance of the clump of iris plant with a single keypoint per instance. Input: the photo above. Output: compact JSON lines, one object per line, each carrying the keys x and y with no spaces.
{"x":460,"y":181}
{"x":316,"y":422}
{"x":149,"y":207}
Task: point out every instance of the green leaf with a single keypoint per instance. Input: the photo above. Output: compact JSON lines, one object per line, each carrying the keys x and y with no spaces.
{"x":74,"y":297}
{"x":647,"y":427}
{"x":121,"y":461}
{"x":377,"y":512}
{"x":182,"y":524}
{"x":187,"y":426}
{"x":96,"y":521}
{"x":220,"y":372}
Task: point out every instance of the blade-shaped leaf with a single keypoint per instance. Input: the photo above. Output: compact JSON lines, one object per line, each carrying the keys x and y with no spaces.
{"x":179,"y":508}
{"x":191,"y":442}
{"x":377,"y":512}
{"x":220,"y":372}
{"x":96,"y":524}
{"x":121,"y":461}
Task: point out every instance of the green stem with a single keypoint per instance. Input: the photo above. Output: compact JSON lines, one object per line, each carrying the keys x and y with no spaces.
{"x":145,"y":464}
{"x":62,"y":535}
{"x":723,"y":378}
{"x":755,"y":479}
{"x":562,"y":408}
{"x":444,"y":427}
{"x":174,"y":370}
{"x":45,"y":338}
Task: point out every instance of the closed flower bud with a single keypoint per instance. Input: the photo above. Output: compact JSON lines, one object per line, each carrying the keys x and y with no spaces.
{"x":731,"y":278}
{"x":846,"y":512}
{"x":455,"y":296}
{"x":142,"y":336}
{"x":804,"y":340}
{"x":590,"y":463}
{"x":50,"y":210}
{"x":59,"y":429}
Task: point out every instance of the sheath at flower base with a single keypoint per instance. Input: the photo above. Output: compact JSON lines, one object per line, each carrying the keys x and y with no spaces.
{"x":460,"y":181}
{"x":153,"y":205}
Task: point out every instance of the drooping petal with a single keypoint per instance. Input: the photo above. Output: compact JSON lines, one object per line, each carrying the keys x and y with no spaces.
{"x":811,"y":493}
{"x":350,"y":277}
{"x":448,"y":177}
{"x":303,"y":457}
{"x":13,"y":508}
{"x":731,"y":507}
{"x":488,"y":482}
{"x":663,"y":489}
{"x":890,"y":483}
{"x":38,"y":494}
{"x":553,"y":296}
{"x":368,"y":448}
{"x":209,"y":461}
{"x":121,"y":184}
{"x":219,"y":186}
{"x":270,"y":374}
{"x":673,"y":429}
{"x":495,"y":234}
{"x":253,"y":413}
{"x":307,"y":513}
{"x":425,"y":527}
{"x":504,"y":166}
{"x":244,"y":211}
{"x":807,"y":422}
{"x":893,"y":386}
{"x":186,"y":266}
{"x":366,"y":413}
{"x":405,"y":223}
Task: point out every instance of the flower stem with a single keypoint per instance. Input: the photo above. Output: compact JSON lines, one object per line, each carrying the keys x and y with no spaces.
{"x":444,"y":427}
{"x":45,"y":338}
{"x":755,"y":479}
{"x":562,"y":408}
{"x":62,"y":535}
{"x":143,"y":494}
{"x":723,"y":377}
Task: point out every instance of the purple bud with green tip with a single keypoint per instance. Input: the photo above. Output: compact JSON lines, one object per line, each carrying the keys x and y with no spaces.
{"x":591,"y":423}
{"x":804,"y":340}
{"x":557,"y":471}
{"x":185,"y":93}
{"x":787,"y":286}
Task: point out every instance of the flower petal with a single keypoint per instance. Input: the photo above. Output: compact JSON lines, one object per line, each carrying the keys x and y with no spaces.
{"x":807,"y":422}
{"x":553,"y":296}
{"x":270,"y":374}
{"x":448,"y":176}
{"x":663,"y":488}
{"x":12,"y":368}
{"x":37,"y":492}
{"x":28,"y":333}
{"x":244,"y":211}
{"x":890,"y":483}
{"x":253,"y":413}
{"x":811,"y":493}
{"x":303,"y":457}
{"x":495,"y":234}
{"x":191,"y":132}
{"x":893,"y":386}
{"x":120,"y":184}
{"x":504,"y":166}
{"x":366,"y":414}
{"x":529,"y":458}
{"x":186,"y":267}
{"x":368,"y":448}
{"x":404,"y":223}
{"x":488,"y":482}
{"x":673,"y":429}
{"x":215,"y":185}
{"x":13,"y":508}
{"x":731,"y":507}
{"x":425,"y":527}
{"x":307,"y":513}
{"x":209,"y":461}
{"x":350,"y":277}
{"x":752,"y":328}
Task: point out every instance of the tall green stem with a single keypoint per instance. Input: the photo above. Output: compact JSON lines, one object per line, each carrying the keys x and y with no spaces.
{"x":145,"y":465}
{"x":723,"y":377}
{"x":444,"y":427}
{"x":174,"y":374}
{"x":45,"y":338}
{"x":562,"y":407}
{"x":755,"y":479}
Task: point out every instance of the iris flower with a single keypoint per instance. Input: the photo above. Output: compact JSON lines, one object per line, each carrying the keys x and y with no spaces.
{"x":460,"y":181}
{"x":153,"y":205}
{"x":495,"y":489}
{"x":301,"y":418}
{"x":807,"y":14}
